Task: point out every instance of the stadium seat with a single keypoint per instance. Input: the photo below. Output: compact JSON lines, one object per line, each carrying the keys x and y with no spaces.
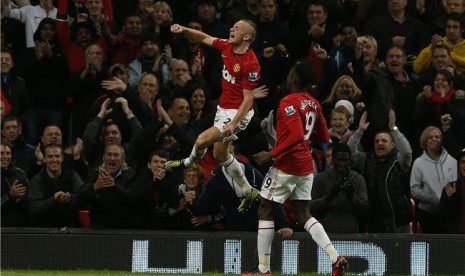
{"x":415,"y":226}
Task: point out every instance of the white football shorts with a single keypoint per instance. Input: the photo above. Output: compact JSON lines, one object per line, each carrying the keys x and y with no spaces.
{"x":278,"y":186}
{"x":224,"y":116}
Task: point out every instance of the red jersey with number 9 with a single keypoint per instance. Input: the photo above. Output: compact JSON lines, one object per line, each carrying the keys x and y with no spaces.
{"x":240,"y":71}
{"x":299,"y":118}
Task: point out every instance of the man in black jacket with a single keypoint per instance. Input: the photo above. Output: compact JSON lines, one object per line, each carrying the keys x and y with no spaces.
{"x":52,"y":194}
{"x":339,"y":195}
{"x":22,"y":153}
{"x":387,"y":173}
{"x":14,"y":187}
{"x":109,"y":191}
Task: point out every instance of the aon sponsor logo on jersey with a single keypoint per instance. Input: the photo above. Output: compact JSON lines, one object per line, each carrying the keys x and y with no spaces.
{"x":227,"y":76}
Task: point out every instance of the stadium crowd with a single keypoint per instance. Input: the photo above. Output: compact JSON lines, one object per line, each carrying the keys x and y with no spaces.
{"x":97,"y":95}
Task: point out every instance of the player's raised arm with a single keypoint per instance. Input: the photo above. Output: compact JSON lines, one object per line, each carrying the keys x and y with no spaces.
{"x":193,"y":34}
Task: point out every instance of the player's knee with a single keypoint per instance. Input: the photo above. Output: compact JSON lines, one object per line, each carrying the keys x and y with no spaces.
{"x":302,"y":218}
{"x":301,"y":211}
{"x":201,"y":143}
{"x":220,"y":156}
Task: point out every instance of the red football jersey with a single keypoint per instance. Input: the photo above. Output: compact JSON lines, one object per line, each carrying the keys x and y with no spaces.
{"x":240,"y":71}
{"x":299,"y":118}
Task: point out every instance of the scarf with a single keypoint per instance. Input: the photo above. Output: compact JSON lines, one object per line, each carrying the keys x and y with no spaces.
{"x":436,"y":100}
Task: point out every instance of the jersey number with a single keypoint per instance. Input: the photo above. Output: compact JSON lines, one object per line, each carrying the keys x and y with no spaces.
{"x":268,"y":182}
{"x":309,"y":124}
{"x":227,"y":121}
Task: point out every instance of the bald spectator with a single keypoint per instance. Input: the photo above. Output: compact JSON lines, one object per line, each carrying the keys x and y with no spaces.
{"x":108,"y":191}
{"x":141,"y":99}
{"x":84,"y":87}
{"x":180,"y":78}
{"x":386,"y":88}
{"x":147,"y":93}
{"x":177,"y":117}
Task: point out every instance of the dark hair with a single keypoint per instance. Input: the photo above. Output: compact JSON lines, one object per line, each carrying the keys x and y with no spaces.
{"x":7,"y":50}
{"x":159,"y":152}
{"x":42,"y":23}
{"x":274,"y":1}
{"x":10,"y":118}
{"x":398,"y":48}
{"x":350,"y":24}
{"x":108,"y":123}
{"x":52,"y":125}
{"x":150,"y":36}
{"x":340,"y":147}
{"x":172,"y":101}
{"x":52,"y":145}
{"x":193,"y":87}
{"x":7,"y":143}
{"x":461,"y":154}
{"x":456,"y":17}
{"x":305,"y":76}
{"x":84,"y":25}
{"x":440,"y":46}
{"x":318,"y":3}
{"x":209,"y":2}
{"x":447,"y":74}
{"x":132,"y":14}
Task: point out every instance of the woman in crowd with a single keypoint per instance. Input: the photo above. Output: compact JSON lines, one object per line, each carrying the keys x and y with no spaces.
{"x":435,"y":101}
{"x":344,"y":88}
{"x":162,"y":18}
{"x":434,"y":171}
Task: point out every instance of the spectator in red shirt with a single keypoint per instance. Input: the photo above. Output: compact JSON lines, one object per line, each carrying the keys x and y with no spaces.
{"x":126,"y":46}
{"x":75,"y":41}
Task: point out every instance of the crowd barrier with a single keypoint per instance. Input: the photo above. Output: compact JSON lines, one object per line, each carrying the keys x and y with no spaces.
{"x":177,"y":252}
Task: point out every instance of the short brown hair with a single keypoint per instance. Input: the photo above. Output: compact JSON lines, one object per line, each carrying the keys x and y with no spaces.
{"x":197,"y":168}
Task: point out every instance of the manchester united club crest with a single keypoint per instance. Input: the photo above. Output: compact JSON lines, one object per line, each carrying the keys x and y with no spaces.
{"x":236,"y":68}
